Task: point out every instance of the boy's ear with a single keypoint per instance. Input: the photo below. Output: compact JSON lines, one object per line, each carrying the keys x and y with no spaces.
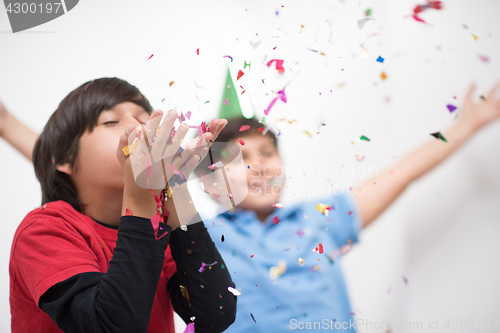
{"x":65,"y":168}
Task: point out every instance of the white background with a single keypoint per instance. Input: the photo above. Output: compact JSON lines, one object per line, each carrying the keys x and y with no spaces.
{"x":441,"y":234}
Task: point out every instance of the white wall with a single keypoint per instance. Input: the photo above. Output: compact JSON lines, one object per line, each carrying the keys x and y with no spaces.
{"x":440,"y":234}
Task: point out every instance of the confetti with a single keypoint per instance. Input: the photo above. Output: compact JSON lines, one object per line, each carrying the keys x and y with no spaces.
{"x":276,"y":220}
{"x":218,"y":164}
{"x":431,"y":4}
{"x":380,"y":59}
{"x":261,"y":129}
{"x":364,"y":138}
{"x":405,"y":280}
{"x":250,"y":312}
{"x":451,"y":108}
{"x":233,"y":291}
{"x":483,"y":58}
{"x":225,"y":101}
{"x":151,"y":56}
{"x":323,"y":209}
{"x":281,"y":95}
{"x":128,"y":212}
{"x":226,"y":56}
{"x":171,"y":83}
{"x":278,"y":205}
{"x":279,"y":65}
{"x":222,"y":238}
{"x":240,"y":74}
{"x":241,"y":141}
{"x":198,"y":51}
{"x":361,"y":23}
{"x":244,"y":128}
{"x":383,"y":76}
{"x":438,"y":135}
{"x":318,"y":248}
{"x":301,"y":262}
{"x":252,"y":255}
{"x":360,"y":158}
{"x":246,"y":64}
{"x":189,"y":328}
{"x":309,"y":134}
{"x":475,"y":37}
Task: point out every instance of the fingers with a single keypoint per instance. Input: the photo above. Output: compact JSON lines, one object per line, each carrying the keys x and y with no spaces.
{"x":492,"y":93}
{"x":164,"y":133}
{"x":123,"y":142}
{"x":173,"y":147}
{"x":216,"y":126}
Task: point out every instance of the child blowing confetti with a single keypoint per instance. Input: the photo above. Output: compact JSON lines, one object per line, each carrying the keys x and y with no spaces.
{"x":283,"y":279}
{"x":88,"y":260}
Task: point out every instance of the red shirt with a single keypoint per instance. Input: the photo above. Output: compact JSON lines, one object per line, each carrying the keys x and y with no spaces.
{"x":73,"y":243}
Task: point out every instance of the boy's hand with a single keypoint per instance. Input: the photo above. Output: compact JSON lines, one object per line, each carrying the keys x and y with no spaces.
{"x":151,"y":160}
{"x":478,"y":114}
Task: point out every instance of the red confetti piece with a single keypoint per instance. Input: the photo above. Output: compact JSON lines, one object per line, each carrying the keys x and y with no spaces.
{"x":261,"y":129}
{"x":279,"y":65}
{"x":128,"y":212}
{"x":349,"y":212}
{"x":431,"y":4}
{"x":241,"y":142}
{"x":244,"y":128}
{"x":240,"y":74}
{"x":253,"y":254}
{"x":276,"y":220}
{"x":150,"y":57}
{"x":318,"y":248}
{"x":278,"y":205}
{"x":198,"y":51}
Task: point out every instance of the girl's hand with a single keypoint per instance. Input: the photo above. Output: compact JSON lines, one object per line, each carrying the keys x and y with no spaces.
{"x":477,"y":114}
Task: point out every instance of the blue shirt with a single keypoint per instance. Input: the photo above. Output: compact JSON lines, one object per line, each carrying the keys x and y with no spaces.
{"x":311,"y":295}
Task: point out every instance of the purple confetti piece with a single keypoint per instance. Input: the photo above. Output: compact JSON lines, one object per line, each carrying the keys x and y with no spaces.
{"x":451,"y":107}
{"x":189,"y":328}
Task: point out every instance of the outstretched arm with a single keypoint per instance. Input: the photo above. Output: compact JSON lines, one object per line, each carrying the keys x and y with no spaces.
{"x":16,"y":133}
{"x":391,"y":183}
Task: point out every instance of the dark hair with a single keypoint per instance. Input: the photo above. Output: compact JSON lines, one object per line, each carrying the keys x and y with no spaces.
{"x":59,"y":142}
{"x":232,"y":130}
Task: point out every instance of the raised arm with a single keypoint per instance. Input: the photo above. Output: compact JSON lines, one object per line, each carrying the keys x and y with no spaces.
{"x":391,"y":183}
{"x":16,"y":133}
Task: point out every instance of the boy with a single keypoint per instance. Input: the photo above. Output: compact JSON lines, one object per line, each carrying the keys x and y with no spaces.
{"x":89,"y":259}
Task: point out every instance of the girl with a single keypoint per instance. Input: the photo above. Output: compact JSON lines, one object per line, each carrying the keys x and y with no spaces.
{"x":89,"y":259}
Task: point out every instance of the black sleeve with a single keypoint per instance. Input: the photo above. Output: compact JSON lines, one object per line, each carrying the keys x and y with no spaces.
{"x":120,"y":300}
{"x":196,"y":292}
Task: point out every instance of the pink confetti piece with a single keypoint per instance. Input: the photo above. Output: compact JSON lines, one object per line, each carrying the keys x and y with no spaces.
{"x":202,"y":268}
{"x":151,"y":56}
{"x":281,"y":95}
{"x":244,"y":128}
{"x":189,"y":328}
{"x":278,"y":205}
{"x":233,"y":291}
{"x":198,"y":51}
{"x":241,"y":141}
{"x":431,"y":4}
{"x":188,"y":115}
{"x":279,"y":65}
{"x":181,"y":117}
{"x":218,"y":164}
{"x":225,"y":101}
{"x":318,"y":248}
{"x":405,"y":280}
{"x":226,"y":56}
{"x":484,"y":58}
